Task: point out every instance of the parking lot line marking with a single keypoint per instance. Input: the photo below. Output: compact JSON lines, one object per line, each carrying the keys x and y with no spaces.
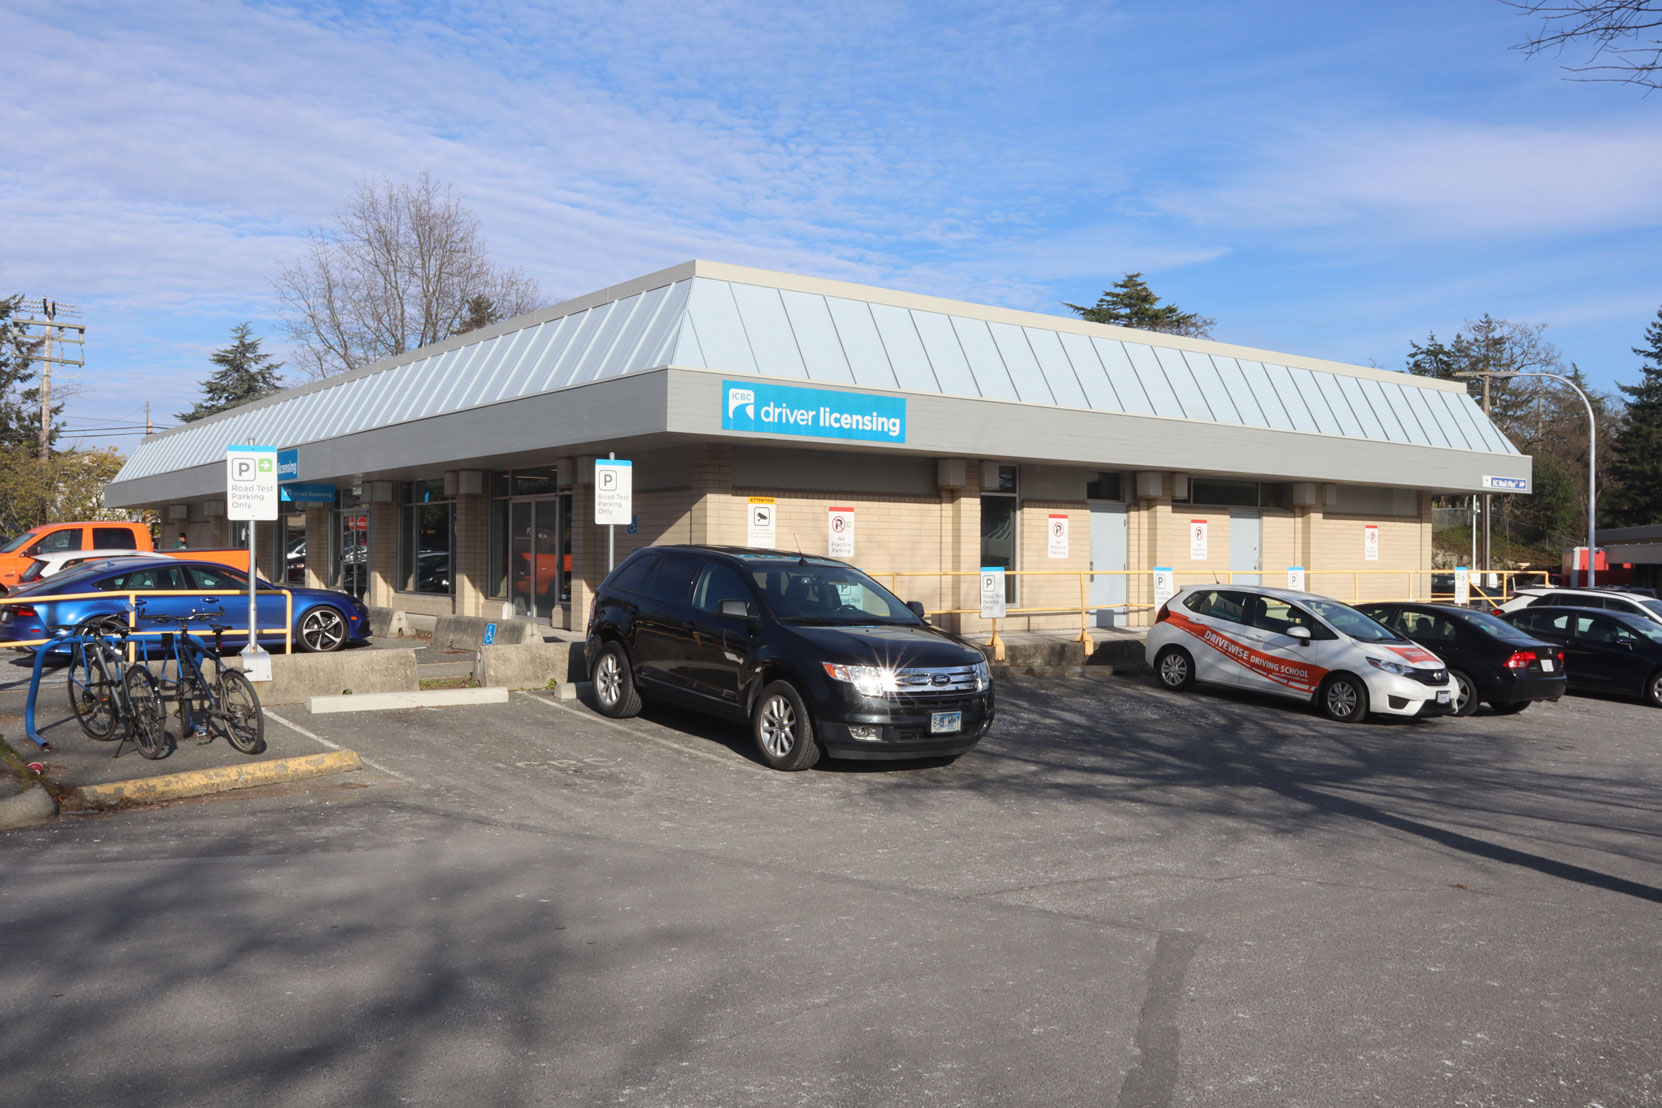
{"x":319,"y":739}
{"x":616,"y":726}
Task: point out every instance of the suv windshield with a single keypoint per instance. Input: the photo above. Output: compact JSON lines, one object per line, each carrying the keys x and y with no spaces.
{"x":1349,"y":621}
{"x":17,"y":542}
{"x":827,"y":594}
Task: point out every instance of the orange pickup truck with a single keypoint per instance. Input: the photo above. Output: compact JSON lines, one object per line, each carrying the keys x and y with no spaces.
{"x":95,"y":535}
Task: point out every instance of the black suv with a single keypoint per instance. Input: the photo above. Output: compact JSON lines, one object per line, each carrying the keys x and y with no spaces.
{"x":815,"y":654}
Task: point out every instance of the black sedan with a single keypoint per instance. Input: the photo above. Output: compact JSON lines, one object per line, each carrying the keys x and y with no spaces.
{"x":1606,"y":651}
{"x":1490,"y":659}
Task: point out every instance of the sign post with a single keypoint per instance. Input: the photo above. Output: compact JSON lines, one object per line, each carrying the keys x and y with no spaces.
{"x":251,"y":496}
{"x":613,"y":499}
{"x":1165,"y":585}
{"x":1462,"y":585}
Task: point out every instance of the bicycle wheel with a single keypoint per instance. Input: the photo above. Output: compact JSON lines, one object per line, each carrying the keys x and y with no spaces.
{"x":236,"y":712}
{"x":147,"y":720}
{"x":92,"y":694}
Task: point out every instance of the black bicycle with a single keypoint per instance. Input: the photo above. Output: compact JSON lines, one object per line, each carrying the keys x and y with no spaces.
{"x":114,"y":701}
{"x":213,"y":699}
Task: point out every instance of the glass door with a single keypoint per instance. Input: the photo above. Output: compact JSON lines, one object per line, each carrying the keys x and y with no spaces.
{"x":352,"y":569}
{"x":539,"y":555}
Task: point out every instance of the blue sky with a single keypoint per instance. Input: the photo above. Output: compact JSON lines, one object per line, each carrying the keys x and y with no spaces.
{"x":1329,"y":180}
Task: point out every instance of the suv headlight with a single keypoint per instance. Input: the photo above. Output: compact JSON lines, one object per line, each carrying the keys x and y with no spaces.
{"x":1391,"y":667}
{"x":867,"y":680}
{"x":983,"y":676}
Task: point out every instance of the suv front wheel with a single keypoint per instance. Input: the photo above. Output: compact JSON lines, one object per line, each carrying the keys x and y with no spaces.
{"x":614,"y":683}
{"x":784,"y":733}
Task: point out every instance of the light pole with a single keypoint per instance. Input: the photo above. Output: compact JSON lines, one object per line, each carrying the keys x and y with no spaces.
{"x":1592,"y":459}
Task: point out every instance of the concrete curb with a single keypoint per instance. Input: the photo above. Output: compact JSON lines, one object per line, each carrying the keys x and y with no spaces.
{"x":202,"y":782}
{"x":425,"y":698}
{"x":29,"y":808}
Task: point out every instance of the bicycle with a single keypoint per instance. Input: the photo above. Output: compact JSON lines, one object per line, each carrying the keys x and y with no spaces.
{"x":213,"y":699}
{"x":111,"y":699}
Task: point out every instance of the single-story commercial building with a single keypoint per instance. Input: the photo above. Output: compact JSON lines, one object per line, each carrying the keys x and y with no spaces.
{"x":911,"y":435}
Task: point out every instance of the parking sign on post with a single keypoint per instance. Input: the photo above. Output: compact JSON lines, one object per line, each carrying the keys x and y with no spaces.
{"x":251,"y":495}
{"x":992,"y":592}
{"x":613,"y":499}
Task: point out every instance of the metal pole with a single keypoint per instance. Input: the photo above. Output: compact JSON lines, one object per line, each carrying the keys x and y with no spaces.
{"x":1592,"y":462}
{"x":611,"y":545}
{"x":252,"y":611}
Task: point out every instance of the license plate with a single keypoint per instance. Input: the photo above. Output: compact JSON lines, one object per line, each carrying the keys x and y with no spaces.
{"x":946,"y":723}
{"x":1442,"y":696}
{"x":1546,"y":665}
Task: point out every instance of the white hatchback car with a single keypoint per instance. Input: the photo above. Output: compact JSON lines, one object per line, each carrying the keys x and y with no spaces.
{"x":1299,"y":645}
{"x":1615,"y":600}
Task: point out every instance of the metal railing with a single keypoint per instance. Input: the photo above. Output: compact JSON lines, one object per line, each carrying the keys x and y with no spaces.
{"x":133,"y":595}
{"x":1510,"y":580}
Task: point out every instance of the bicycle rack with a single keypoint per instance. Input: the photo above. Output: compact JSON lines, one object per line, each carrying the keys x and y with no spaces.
{"x":34,"y":686}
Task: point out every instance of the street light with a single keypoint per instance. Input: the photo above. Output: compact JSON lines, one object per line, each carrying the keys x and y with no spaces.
{"x":1592,"y":457}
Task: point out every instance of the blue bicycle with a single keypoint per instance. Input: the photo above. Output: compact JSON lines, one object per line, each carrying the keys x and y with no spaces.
{"x":213,"y":699}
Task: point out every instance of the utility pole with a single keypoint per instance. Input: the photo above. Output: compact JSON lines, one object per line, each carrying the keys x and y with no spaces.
{"x":55,"y":331}
{"x":1486,"y":414}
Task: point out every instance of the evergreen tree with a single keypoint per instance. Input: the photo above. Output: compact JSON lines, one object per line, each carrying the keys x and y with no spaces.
{"x":244,"y":374}
{"x":1131,"y":303}
{"x":19,"y":405}
{"x":1636,"y":470}
{"x":479,"y":311}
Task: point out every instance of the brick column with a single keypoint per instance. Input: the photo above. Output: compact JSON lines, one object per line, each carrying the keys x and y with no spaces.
{"x":471,"y":543}
{"x":588,"y":544}
{"x":383,"y":555}
{"x":713,"y":516}
{"x":320,"y":547}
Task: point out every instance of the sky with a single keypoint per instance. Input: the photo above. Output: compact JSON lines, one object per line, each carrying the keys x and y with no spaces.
{"x":1330,"y":180}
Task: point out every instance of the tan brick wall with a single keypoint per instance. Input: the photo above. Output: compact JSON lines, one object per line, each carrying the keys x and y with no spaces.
{"x":1337,"y":566}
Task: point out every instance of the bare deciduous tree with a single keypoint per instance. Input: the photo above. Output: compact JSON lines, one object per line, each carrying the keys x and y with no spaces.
{"x":1606,"y":26}
{"x":398,"y":270}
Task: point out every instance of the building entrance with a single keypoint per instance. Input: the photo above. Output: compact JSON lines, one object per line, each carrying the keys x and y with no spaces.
{"x":539,"y":555}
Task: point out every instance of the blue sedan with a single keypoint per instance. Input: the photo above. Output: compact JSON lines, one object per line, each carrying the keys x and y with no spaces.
{"x":324,"y":620}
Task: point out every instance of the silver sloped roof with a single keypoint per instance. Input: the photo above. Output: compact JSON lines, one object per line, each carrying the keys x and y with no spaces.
{"x":735,"y":320}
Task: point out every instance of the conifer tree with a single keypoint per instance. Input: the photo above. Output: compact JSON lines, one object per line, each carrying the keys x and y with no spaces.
{"x":244,"y":374}
{"x":1636,"y":471}
{"x":1131,"y":303}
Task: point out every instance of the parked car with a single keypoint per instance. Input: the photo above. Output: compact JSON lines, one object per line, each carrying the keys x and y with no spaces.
{"x":816,"y":655}
{"x":324,"y":620}
{"x":1295,"y":644}
{"x":1615,"y":600}
{"x":50,"y":565}
{"x":1489,"y":659}
{"x":49,"y":538}
{"x":1604,"y":651}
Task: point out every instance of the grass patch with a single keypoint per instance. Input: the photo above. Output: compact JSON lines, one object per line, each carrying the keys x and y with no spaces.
{"x":448,"y":683}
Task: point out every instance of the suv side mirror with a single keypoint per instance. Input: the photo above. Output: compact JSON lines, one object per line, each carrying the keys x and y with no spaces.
{"x":733,"y":609}
{"x":1301,"y":635}
{"x":916,"y":607}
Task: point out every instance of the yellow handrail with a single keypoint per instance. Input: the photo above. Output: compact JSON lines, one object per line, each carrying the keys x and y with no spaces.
{"x":133,"y":595}
{"x":1222,"y":577}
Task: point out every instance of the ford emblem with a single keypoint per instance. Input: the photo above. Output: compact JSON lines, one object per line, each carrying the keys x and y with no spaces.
{"x":940,"y":679}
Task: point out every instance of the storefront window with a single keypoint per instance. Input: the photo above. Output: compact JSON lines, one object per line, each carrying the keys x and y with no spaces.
{"x":425,"y":534}
{"x":1000,"y":527}
{"x":1104,"y":486}
{"x":1228,"y":494}
{"x":293,"y":544}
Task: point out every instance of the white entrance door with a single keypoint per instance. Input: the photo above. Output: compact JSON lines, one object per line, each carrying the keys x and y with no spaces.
{"x":1108,"y":552}
{"x":1246,"y":543}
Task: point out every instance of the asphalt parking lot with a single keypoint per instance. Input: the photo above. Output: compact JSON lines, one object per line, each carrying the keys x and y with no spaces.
{"x":1124,"y":897}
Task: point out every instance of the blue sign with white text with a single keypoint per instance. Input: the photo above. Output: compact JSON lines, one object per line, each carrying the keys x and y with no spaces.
{"x":1507,"y":484}
{"x":821,"y":413}
{"x":296,"y":492}
{"x":288,"y":465}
